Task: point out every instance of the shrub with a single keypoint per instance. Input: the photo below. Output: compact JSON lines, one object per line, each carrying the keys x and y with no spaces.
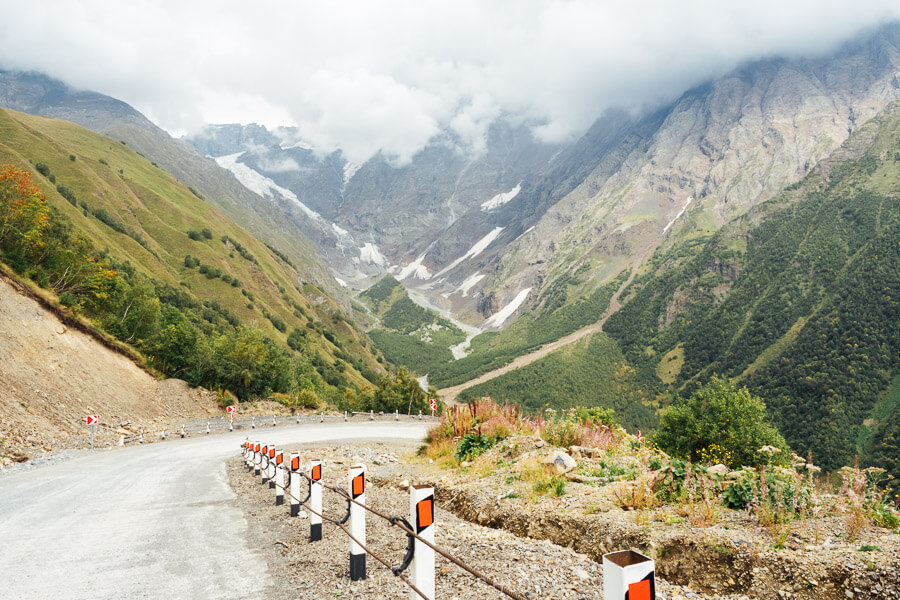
{"x":206,"y":233}
{"x":720,"y":414}
{"x":473,"y":446}
{"x":42,"y":169}
{"x":194,"y":235}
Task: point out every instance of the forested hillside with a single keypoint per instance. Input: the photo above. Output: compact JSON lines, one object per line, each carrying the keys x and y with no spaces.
{"x":800,"y":300}
{"x":120,"y":242}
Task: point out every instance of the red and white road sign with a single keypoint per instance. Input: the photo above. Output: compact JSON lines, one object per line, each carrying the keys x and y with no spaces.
{"x":230,"y":409}
{"x":433,"y":404}
{"x":92,"y":419}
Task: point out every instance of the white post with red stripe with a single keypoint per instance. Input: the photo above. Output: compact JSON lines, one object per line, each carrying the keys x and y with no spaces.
{"x":271,"y":469}
{"x":257,"y":458}
{"x":295,"y":484}
{"x":264,"y":464}
{"x":421,"y":509}
{"x":279,"y":477}
{"x":357,"y":522}
{"x":315,"y":501}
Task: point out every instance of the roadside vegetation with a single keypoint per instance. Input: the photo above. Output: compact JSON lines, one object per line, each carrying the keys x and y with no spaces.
{"x":783,"y":493}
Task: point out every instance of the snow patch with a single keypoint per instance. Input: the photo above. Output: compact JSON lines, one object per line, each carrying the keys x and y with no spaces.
{"x":262,"y":185}
{"x":475,"y":250}
{"x":686,"y":204}
{"x":501,"y":198}
{"x":369,"y":253}
{"x":341,"y":281}
{"x":350,"y":169}
{"x":339,"y":230}
{"x":469,"y":283}
{"x":500,"y":317}
{"x":416,"y":269}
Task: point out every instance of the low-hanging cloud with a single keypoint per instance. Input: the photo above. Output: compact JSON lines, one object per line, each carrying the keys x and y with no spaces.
{"x":365,"y":75}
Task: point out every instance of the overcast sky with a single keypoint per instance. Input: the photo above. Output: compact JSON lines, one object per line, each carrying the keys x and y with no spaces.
{"x":367,"y":75}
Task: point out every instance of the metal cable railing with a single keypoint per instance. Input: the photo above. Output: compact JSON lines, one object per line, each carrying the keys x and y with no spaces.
{"x":398,"y":522}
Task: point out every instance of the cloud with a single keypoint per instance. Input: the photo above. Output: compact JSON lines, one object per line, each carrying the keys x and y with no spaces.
{"x":366,"y":75}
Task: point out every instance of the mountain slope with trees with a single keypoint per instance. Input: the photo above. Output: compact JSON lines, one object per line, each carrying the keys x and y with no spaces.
{"x":119,"y":241}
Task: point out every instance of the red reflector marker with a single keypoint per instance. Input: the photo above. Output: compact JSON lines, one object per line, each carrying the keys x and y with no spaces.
{"x":359,"y":486}
{"x":424,"y":513}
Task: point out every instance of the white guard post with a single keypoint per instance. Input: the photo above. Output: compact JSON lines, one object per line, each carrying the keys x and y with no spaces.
{"x":357,"y":522}
{"x":248,"y":452}
{"x":315,"y":501}
{"x":274,"y":421}
{"x":271,"y":467}
{"x":396,"y":415}
{"x":295,"y":484}
{"x":279,"y":477}
{"x":254,"y":456}
{"x":182,"y":431}
{"x":163,"y":435}
{"x":261,"y":470}
{"x":421,"y":510}
{"x":628,"y":574}
{"x":207,"y":428}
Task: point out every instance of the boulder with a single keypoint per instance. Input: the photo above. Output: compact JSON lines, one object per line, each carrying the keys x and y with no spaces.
{"x":559,"y":462}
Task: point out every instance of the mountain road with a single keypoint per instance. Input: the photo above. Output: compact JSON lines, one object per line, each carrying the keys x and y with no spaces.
{"x":153,"y":521}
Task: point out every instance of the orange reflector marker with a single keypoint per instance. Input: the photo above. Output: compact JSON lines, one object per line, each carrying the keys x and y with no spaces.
{"x":265,"y":449}
{"x":359,"y":486}
{"x":317,"y":472}
{"x":639,"y":590}
{"x":279,"y":458}
{"x":295,"y":463}
{"x":271,"y":452}
{"x":424,"y":513}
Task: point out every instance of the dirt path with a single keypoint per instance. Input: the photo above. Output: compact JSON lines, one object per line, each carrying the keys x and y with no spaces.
{"x":448,"y":395}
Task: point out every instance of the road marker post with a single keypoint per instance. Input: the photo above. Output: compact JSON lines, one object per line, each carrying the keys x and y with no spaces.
{"x":321,"y":417}
{"x":121,"y":440}
{"x":357,"y":522}
{"x":298,"y":419}
{"x":263,"y":472}
{"x":295,"y":484}
{"x":231,"y":423}
{"x":257,"y":458}
{"x":207,"y":428}
{"x":92,"y":421}
{"x":396,"y":415}
{"x":345,"y":415}
{"x":315,"y":501}
{"x":162,"y":436}
{"x":182,"y":431}
{"x":274,"y":421}
{"x":421,"y":509}
{"x":252,"y":422}
{"x":141,"y":439}
{"x":420,"y":415}
{"x":271,"y":469}
{"x":279,"y":478}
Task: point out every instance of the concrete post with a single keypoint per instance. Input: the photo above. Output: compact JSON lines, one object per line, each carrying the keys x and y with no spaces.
{"x":271,"y":469}
{"x":274,"y":421}
{"x":420,"y":415}
{"x":257,"y":458}
{"x":252,"y":422}
{"x":298,"y":419}
{"x":396,"y":415}
{"x":295,"y":485}
{"x":121,"y":440}
{"x":182,"y":431}
{"x":315,"y":501}
{"x":421,"y":510}
{"x":163,"y":434}
{"x":263,"y":464}
{"x":141,"y":438}
{"x":207,"y":428}
{"x":321,"y":417}
{"x":345,"y":415}
{"x":279,"y":477}
{"x":357,"y":522}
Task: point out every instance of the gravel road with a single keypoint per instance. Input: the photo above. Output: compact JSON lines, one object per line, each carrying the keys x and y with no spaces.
{"x":155,"y":521}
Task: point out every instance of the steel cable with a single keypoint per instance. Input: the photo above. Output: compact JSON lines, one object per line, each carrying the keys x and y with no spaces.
{"x":471,"y":570}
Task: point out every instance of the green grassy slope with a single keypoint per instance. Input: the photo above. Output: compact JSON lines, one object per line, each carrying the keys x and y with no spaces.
{"x":140,"y":217}
{"x":408,"y":334}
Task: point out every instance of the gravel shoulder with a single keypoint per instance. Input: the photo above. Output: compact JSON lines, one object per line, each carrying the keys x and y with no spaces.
{"x":534,"y":568}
